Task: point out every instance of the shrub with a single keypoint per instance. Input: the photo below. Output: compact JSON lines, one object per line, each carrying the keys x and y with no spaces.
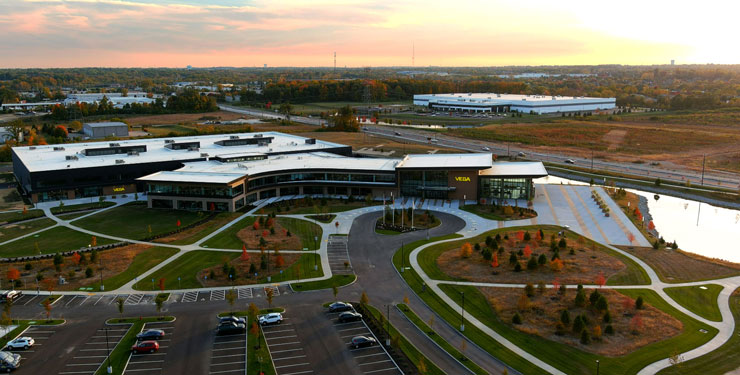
{"x":529,"y":289}
{"x":477,"y":247}
{"x":542,"y":260}
{"x":593,"y":297}
{"x":639,"y":303}
{"x":565,"y":318}
{"x":88,"y":272}
{"x":212,"y":275}
{"x":513,"y":259}
{"x":518,"y":268}
{"x":562,"y":244}
{"x":580,"y":300}
{"x":541,"y":287}
{"x":559,"y":329}
{"x":585,"y":337}
{"x":597,"y":332}
{"x":607,"y":317}
{"x":466,"y":250}
{"x":489,"y":240}
{"x":487,"y":254}
{"x":517,"y":319}
{"x":532,"y":263}
{"x":28,"y":266}
{"x":609,"y":329}
{"x":602,"y":304}
{"x":578,"y":324}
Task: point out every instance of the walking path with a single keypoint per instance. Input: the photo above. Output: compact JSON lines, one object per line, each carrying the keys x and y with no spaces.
{"x":562,"y":205}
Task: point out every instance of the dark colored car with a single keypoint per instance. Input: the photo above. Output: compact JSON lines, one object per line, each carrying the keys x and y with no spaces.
{"x":231,"y":328}
{"x":145,"y":347}
{"x":362,"y":341}
{"x":349,"y":316}
{"x":340,"y":307}
{"x":9,"y":361}
{"x":150,"y":334}
{"x":232,"y":319}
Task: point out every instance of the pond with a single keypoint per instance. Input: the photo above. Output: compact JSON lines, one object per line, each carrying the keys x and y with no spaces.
{"x":697,"y":227}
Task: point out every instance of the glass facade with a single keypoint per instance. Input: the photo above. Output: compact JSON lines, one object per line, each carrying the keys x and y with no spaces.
{"x":505,"y":188}
{"x":425,"y":184}
{"x":194,"y":191}
{"x":324,"y":177}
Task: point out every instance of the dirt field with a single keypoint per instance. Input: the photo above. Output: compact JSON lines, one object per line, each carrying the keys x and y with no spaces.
{"x":542,"y":312}
{"x":10,"y":200}
{"x":178,"y":118}
{"x":115,"y":262}
{"x":584,"y":266}
{"x":251,"y":238}
{"x":216,"y":222}
{"x":679,"y":266}
{"x":242,"y":270}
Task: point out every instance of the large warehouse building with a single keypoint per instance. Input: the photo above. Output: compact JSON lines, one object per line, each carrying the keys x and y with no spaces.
{"x":227,"y":172}
{"x":489,"y":102}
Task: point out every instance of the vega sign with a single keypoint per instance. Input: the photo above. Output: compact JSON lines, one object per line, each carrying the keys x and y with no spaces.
{"x":462,"y":179}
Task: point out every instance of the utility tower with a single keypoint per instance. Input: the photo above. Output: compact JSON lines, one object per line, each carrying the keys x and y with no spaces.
{"x":335,"y":61}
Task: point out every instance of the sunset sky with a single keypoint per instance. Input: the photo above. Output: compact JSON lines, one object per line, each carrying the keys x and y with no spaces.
{"x":176,"y":33}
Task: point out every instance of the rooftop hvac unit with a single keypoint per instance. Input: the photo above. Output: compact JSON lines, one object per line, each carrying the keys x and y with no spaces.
{"x":32,"y":148}
{"x":193,"y":148}
{"x":234,"y":137}
{"x":258,"y":135}
{"x":311,"y":141}
{"x":166,"y":141}
{"x":114,"y":144}
{"x":58,"y":148}
{"x":120,"y":161}
{"x":203,"y":154}
{"x":71,"y":157}
{"x":133,"y":153}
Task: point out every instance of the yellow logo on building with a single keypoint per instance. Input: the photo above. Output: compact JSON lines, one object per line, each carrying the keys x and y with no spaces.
{"x":462,"y":179}
{"x":119,"y":189}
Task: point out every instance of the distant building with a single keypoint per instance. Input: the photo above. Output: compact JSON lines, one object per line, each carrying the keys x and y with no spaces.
{"x":105,"y":129}
{"x":491,"y":102}
{"x":673,"y":62}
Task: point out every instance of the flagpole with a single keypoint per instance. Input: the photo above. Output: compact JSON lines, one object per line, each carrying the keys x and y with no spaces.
{"x":412,"y":214}
{"x":393,"y":211}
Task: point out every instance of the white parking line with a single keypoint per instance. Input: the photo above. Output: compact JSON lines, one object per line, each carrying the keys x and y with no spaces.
{"x":293,"y":365}
{"x":291,"y":357}
{"x":227,"y":342}
{"x":385,"y":369}
{"x":143,"y":369}
{"x":217,"y":350}
{"x":225,"y":371}
{"x":285,"y":330}
{"x":228,"y":355}
{"x":299,"y":372}
{"x":280,"y":337}
{"x":369,"y":355}
{"x":285,"y":343}
{"x":372,"y":363}
{"x":27,"y":302}
{"x":286,"y":350}
{"x":227,"y":363}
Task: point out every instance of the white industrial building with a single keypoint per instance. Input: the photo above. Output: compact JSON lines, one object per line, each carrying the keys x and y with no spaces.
{"x":492,"y":102}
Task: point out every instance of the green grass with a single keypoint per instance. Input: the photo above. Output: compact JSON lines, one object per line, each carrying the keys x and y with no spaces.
{"x":120,"y":354}
{"x":720,"y":361}
{"x":573,"y":361}
{"x":386,"y":232}
{"x":17,"y":216}
{"x":24,"y":323}
{"x":50,"y":241}
{"x":303,"y":268}
{"x":306,"y":230}
{"x":254,"y":354}
{"x":335,"y":280}
{"x":324,"y":219}
{"x":10,"y":231}
{"x":702,"y":302}
{"x":73,"y":215}
{"x":332,"y":205}
{"x":133,"y":221}
{"x":141,"y":263}
{"x":446,"y":346}
{"x":228,"y":239}
{"x":448,"y":314}
{"x":186,"y":267}
{"x":414,"y":355}
{"x":211,"y":226}
{"x":79,"y":207}
{"x":633,"y":274}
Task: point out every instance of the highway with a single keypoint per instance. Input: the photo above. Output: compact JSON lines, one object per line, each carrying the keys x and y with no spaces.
{"x":712,"y":178}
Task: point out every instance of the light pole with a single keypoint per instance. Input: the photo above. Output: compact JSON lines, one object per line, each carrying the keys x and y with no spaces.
{"x":403,"y":259}
{"x":597,"y":367}
{"x":388,"y":325}
{"x":107,"y":350}
{"x":315,"y":247}
{"x":100,"y":260}
{"x":462,"y":315}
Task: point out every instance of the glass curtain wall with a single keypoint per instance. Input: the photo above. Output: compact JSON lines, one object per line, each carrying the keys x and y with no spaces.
{"x":505,"y":188}
{"x":426,"y":184}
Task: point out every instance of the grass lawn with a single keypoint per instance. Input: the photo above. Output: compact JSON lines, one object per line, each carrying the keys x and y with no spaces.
{"x":10,"y":231}
{"x":632,"y":275}
{"x":228,"y":239}
{"x":80,"y":207}
{"x":302,"y":268}
{"x":335,"y":280}
{"x":449,"y":348}
{"x":300,"y":207}
{"x":211,"y":226}
{"x":50,"y":241}
{"x":141,"y":263}
{"x":306,"y":230}
{"x":452,"y":317}
{"x":414,"y":355}
{"x":73,"y":215}
{"x":386,"y":232}
{"x":484,"y":211}
{"x":720,"y":361}
{"x":24,"y":323}
{"x":120,"y":354}
{"x":702,"y":302}
{"x":9,"y":217}
{"x":328,"y":218}
{"x":186,"y":268}
{"x":573,"y":361}
{"x":133,"y":221}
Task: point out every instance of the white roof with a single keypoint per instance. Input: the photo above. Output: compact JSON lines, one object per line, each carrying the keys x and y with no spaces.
{"x":186,"y":176}
{"x":45,"y":158}
{"x":514,"y":168}
{"x":443,"y":161}
{"x":105,"y":124}
{"x":506,"y":99}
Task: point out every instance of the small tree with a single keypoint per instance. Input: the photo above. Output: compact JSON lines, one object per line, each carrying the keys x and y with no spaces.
{"x":76,"y":258}
{"x":639,"y":303}
{"x":13,"y":275}
{"x":532,"y":263}
{"x":556,"y":265}
{"x":601,"y":304}
{"x":513,"y":259}
{"x":523,"y":302}
{"x":516,"y":319}
{"x":231,"y":299}
{"x":119,"y":303}
{"x":58,"y":262}
{"x":565,"y":318}
{"x":422,"y":366}
{"x":597,"y":332}
{"x":580,"y":300}
{"x":47,"y":307}
{"x":363,"y":299}
{"x":335,"y":291}
{"x":527,"y":251}
{"x":585,"y":337}
{"x":159,"y":303}
{"x":253,"y":311}
{"x":529,"y":290}
{"x":269,"y":295}
{"x":466,"y":250}
{"x":578,"y":324}
{"x":406,"y":300}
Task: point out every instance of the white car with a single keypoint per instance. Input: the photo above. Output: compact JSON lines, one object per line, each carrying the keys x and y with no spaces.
{"x":486,"y":149}
{"x":20,"y":343}
{"x":271,"y":318}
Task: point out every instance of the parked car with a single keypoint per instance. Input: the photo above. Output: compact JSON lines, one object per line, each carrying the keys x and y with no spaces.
{"x":148,"y":346}
{"x":20,"y":343}
{"x":150,"y":334}
{"x":434,"y":140}
{"x":397,"y":133}
{"x":9,"y":361}
{"x":231,"y":319}
{"x":271,"y":318}
{"x":485,"y":148}
{"x":11,"y":295}
{"x":231,"y":328}
{"x":340,"y":307}
{"x":362,"y":341}
{"x":570,"y":161}
{"x":349,"y":316}
{"x":521,"y":154}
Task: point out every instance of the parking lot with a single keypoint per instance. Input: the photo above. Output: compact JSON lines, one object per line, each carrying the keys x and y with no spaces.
{"x":151,"y":363}
{"x":286,"y":349}
{"x":220,"y":294}
{"x":93,"y":352}
{"x":229,"y":354}
{"x":370,"y":360}
{"x":41,"y":335}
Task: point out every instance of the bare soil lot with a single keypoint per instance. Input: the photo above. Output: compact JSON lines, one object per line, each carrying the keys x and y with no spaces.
{"x":178,"y":118}
{"x":679,"y":266}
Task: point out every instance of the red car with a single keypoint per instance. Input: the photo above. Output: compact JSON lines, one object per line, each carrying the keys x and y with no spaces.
{"x":145,"y":347}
